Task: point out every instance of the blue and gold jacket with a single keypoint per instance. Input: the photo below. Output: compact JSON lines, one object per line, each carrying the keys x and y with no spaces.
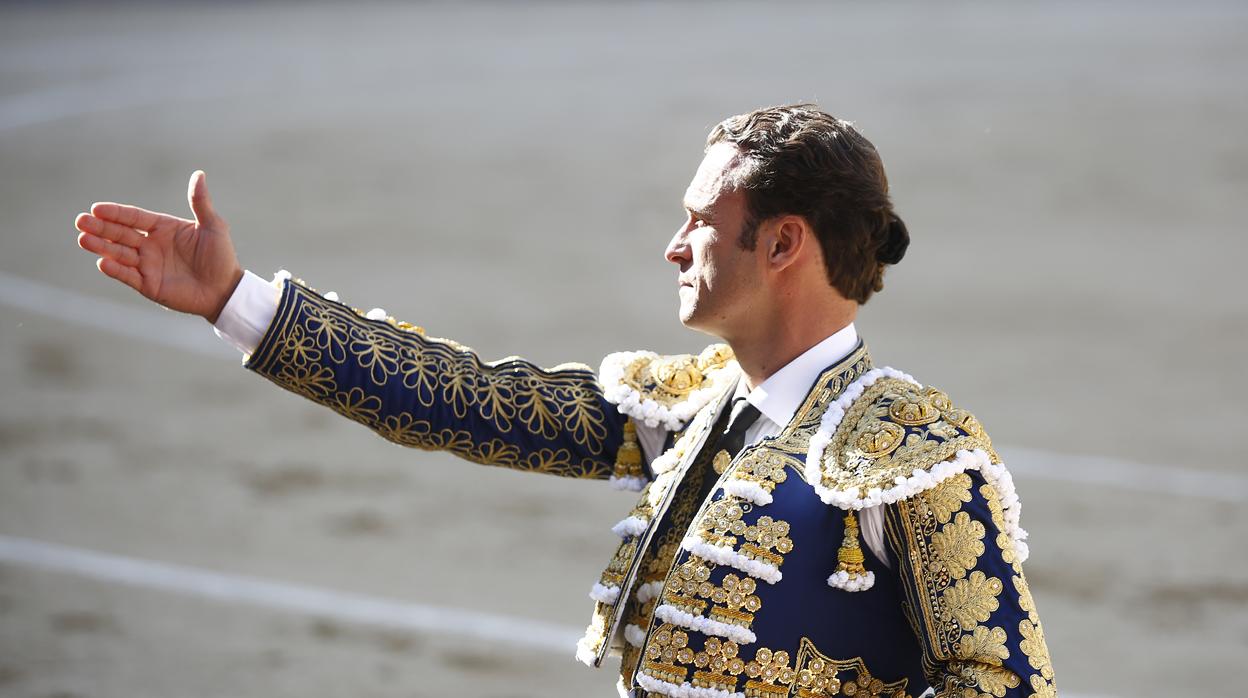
{"x":763,"y":587}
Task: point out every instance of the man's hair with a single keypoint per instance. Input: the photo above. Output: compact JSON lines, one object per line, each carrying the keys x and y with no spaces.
{"x":797,"y":159}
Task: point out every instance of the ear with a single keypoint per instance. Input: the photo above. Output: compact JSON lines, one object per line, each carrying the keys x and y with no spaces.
{"x":788,"y":241}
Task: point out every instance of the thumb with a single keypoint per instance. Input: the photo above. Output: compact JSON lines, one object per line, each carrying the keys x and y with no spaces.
{"x":201,"y":202}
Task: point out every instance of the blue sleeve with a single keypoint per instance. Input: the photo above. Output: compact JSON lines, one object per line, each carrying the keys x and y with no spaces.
{"x":435,"y":394}
{"x":966,"y":596}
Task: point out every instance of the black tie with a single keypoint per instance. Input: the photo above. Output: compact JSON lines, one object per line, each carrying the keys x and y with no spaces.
{"x":742,"y":417}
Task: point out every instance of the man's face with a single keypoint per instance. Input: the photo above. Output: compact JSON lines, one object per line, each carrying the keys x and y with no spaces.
{"x":718,"y":279}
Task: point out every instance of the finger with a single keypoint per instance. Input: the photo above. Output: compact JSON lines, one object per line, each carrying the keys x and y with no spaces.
{"x":116,"y":232}
{"x":126,"y":275}
{"x":133,"y":216}
{"x":125,"y":255}
{"x":201,"y":202}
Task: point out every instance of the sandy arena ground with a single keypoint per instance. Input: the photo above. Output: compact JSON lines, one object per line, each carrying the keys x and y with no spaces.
{"x":1073,"y":176}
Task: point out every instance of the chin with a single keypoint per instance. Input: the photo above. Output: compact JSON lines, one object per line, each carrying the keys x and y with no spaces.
{"x":692,"y":321}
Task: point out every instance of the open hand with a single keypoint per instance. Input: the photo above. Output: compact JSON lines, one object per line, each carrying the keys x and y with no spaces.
{"x":185,"y":265}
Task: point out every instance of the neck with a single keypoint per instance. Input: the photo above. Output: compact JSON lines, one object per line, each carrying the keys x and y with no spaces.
{"x":784,"y":336}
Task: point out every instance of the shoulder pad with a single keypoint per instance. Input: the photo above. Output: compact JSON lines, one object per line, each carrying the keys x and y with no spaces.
{"x":667,"y":390}
{"x":889,"y":438}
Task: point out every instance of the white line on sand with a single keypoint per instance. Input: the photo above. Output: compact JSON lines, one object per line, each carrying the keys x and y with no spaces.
{"x":179,"y":579}
{"x":182,"y":332}
{"x":147,"y":325}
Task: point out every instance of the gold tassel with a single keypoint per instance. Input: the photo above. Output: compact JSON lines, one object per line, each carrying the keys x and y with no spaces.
{"x":628,"y":458}
{"x":850,"y":573}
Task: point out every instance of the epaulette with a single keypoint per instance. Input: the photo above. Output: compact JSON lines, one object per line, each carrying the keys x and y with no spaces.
{"x":887,"y":438}
{"x":666,"y":390}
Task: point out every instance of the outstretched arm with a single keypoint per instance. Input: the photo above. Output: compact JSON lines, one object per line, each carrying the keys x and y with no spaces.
{"x":185,"y":265}
{"x":410,"y":389}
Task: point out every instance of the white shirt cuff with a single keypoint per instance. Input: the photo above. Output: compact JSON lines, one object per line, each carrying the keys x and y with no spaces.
{"x":249,"y":312}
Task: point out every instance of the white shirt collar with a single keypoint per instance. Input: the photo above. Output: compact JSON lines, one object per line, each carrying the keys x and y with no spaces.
{"x":781,"y":394}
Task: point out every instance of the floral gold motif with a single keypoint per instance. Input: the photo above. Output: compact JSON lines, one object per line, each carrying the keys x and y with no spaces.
{"x":958,"y":544}
{"x":820,"y":676}
{"x":983,"y":644}
{"x":718,"y":665}
{"x":880,"y":439}
{"x":912,"y":410}
{"x":972,"y":600}
{"x":670,"y":379}
{"x":311,"y":338}
{"x":948,"y":497}
{"x":667,"y":648}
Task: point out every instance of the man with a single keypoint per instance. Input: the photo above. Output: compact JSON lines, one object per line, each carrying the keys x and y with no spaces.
{"x":808,"y":525}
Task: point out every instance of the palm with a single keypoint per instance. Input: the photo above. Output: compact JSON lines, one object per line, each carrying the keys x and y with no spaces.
{"x":184,"y":265}
{"x":176,"y":262}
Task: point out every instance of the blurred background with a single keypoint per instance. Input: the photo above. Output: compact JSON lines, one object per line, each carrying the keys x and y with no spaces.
{"x":507,"y":174}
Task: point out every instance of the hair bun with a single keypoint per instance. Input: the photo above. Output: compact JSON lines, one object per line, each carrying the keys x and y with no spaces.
{"x":896,"y":240}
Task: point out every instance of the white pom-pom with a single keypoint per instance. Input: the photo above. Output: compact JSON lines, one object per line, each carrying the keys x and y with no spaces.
{"x":631,"y":526}
{"x":604,"y":594}
{"x":634,"y":635}
{"x":861,"y":582}
{"x":629,"y":483}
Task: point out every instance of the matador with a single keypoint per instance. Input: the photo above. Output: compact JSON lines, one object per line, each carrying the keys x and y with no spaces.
{"x":808,"y":523}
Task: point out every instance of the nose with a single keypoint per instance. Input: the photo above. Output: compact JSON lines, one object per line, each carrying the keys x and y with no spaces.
{"x":677,"y":251}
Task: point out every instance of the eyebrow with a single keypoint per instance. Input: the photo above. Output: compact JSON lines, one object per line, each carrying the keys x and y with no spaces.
{"x":702,"y":213}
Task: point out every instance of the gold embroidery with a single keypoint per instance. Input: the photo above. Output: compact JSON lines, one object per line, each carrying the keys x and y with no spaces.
{"x":721,"y":524}
{"x":662,"y":549}
{"x":958,"y":544}
{"x":767,"y":535}
{"x":690,"y":580}
{"x":972,"y":600}
{"x":310,"y":330}
{"x":819,"y":675}
{"x":1042,"y":688}
{"x":356,"y":406}
{"x":1025,"y":601}
{"x":879,"y":439}
{"x":667,"y":647}
{"x":995,"y":510}
{"x":764,"y":467}
{"x":670,"y":379}
{"x":912,"y":410}
{"x":770,"y":674}
{"x":994,"y":680}
{"x":891,"y":431}
{"x":718,"y":665}
{"x":1034,"y":647}
{"x":951,"y":603}
{"x":735,"y":601}
{"x":938,"y":399}
{"x":613,"y":576}
{"x":689,"y":589}
{"x":313,"y":380}
{"x":985,"y":645}
{"x":949,"y":496}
